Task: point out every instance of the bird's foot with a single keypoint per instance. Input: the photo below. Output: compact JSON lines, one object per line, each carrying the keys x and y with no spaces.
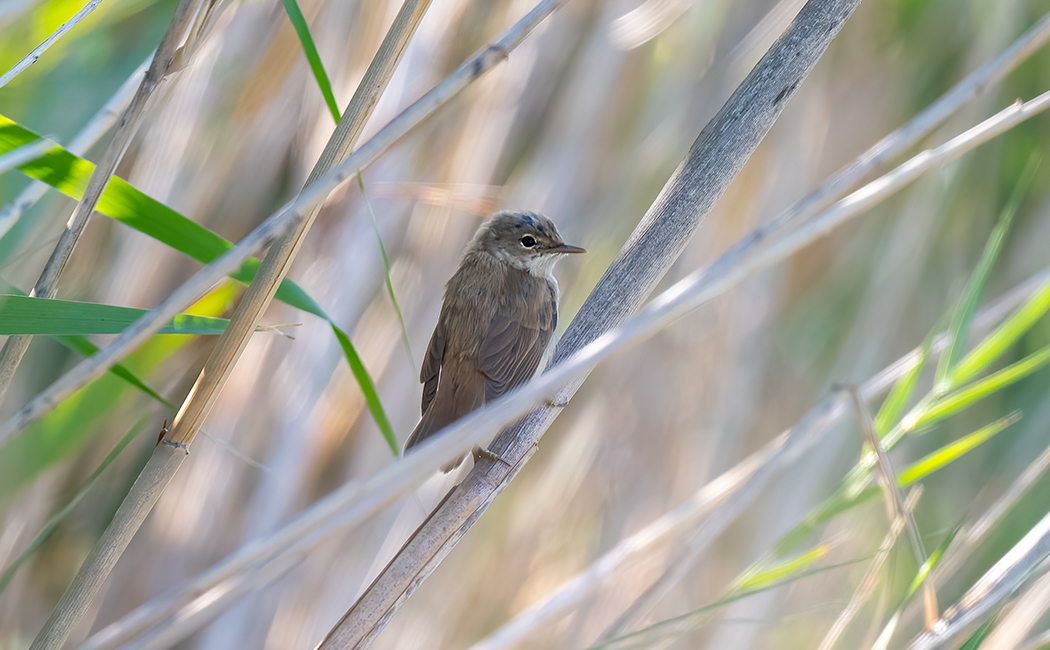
{"x":481,"y":452}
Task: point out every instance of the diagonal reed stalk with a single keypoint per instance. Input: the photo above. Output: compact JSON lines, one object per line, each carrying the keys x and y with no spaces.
{"x":47,"y":285}
{"x":282,"y":251}
{"x":713,"y":161}
{"x":168,"y":455}
{"x":1018,"y":623}
{"x":34,"y":56}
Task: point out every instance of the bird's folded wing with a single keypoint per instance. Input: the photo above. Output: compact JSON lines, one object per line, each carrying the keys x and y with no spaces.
{"x":510,"y":352}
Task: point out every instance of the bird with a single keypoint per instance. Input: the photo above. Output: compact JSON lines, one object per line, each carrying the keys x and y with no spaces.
{"x":497,"y":317}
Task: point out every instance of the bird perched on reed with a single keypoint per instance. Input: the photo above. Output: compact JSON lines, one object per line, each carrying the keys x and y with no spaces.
{"x":499,"y":312}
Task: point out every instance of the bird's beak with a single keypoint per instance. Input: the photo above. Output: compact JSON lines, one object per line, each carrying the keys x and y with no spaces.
{"x":566,"y":248}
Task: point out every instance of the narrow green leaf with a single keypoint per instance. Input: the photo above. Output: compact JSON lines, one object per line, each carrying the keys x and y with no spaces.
{"x":657,"y":633}
{"x":967,"y":395}
{"x":52,"y":317}
{"x":386,"y":266}
{"x":902,"y":390}
{"x":959,"y":331}
{"x":77,"y":419}
{"x":87,"y":348}
{"x":765,"y":577}
{"x":840,"y":501}
{"x":303,"y":31}
{"x":953,"y":450}
{"x":978,"y":637}
{"x":931,"y":562}
{"x":883,"y":640}
{"x":55,"y":519}
{"x":858,"y":491}
{"x":996,"y":343}
{"x":369,"y":389}
{"x":69,"y":174}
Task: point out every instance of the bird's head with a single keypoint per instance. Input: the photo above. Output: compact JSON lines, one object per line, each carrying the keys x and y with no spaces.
{"x":527,"y":241}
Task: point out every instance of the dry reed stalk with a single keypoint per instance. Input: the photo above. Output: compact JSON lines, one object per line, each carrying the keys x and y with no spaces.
{"x":972,"y":535}
{"x":892,"y":492}
{"x":282,"y":251}
{"x":871,"y":577}
{"x":897,"y":142}
{"x":31,"y":58}
{"x":1028,"y":610}
{"x":713,"y":161}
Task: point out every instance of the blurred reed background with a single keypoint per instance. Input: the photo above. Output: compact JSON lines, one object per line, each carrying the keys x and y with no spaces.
{"x":584,"y":122}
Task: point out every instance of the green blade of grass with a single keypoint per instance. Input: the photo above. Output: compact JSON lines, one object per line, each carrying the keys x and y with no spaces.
{"x":931,"y":562}
{"x":853,"y":494}
{"x":959,"y":331}
{"x":85,"y":347}
{"x":69,"y":174}
{"x":652,"y":635}
{"x":295,"y":15}
{"x":982,"y":632}
{"x":364,"y":380}
{"x":52,"y":317}
{"x":902,"y":390}
{"x":954,"y":450}
{"x":55,"y":519}
{"x":765,"y":577}
{"x":996,"y":343}
{"x":840,"y":501}
{"x":967,"y":395}
{"x":386,"y":267}
{"x":74,"y":421}
{"x":882,"y":642}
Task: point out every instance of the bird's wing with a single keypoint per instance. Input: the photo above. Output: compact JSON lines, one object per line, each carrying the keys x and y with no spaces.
{"x":428,"y":373}
{"x":514,"y":344}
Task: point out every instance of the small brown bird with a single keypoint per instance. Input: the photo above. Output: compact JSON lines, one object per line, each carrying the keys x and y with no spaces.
{"x":499,"y":311}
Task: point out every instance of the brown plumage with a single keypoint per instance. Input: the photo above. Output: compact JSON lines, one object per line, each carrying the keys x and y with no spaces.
{"x":497,"y":318}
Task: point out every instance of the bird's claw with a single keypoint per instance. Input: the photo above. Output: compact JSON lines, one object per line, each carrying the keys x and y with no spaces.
{"x":482,"y":452}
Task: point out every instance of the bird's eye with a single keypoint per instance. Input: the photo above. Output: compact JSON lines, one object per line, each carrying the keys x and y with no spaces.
{"x":527,"y":241}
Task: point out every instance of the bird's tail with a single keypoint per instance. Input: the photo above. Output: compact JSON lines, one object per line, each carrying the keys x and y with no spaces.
{"x":428,"y":426}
